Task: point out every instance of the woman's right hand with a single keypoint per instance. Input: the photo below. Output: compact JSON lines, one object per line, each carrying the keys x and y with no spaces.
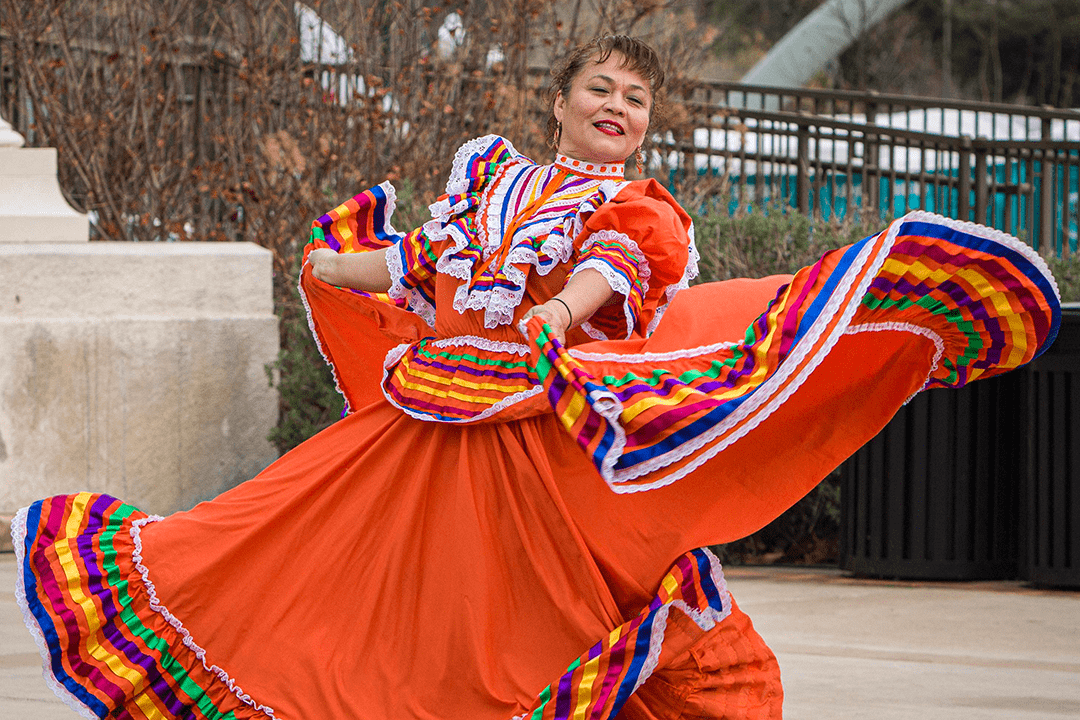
{"x":554,"y":314}
{"x":323,"y":261}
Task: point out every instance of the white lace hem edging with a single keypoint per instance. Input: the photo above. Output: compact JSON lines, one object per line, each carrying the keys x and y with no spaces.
{"x":18,"y":535}
{"x":988,"y":233}
{"x":765,"y":398}
{"x":391,"y":206}
{"x":315,"y":335}
{"x":939,"y":344}
{"x":189,"y":642}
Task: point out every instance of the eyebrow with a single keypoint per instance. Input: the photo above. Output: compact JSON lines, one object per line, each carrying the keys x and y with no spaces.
{"x":612,"y":81}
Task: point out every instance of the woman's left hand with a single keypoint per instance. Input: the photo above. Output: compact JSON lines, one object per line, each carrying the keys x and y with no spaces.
{"x":554,"y":314}
{"x":323,"y":262}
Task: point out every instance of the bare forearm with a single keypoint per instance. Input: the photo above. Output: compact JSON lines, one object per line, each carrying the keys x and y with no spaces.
{"x":358,"y":271}
{"x":584,"y":294}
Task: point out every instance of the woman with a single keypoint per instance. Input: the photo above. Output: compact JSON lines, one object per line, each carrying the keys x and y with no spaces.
{"x":454,"y":548}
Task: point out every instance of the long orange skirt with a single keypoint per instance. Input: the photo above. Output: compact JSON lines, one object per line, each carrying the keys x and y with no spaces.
{"x":395,"y":569}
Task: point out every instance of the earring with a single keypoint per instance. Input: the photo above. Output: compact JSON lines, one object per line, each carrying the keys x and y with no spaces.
{"x":556,"y":136}
{"x":639,"y":158}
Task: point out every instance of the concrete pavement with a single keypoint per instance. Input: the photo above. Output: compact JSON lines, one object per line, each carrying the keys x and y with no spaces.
{"x":893,"y":650}
{"x":847,"y":648}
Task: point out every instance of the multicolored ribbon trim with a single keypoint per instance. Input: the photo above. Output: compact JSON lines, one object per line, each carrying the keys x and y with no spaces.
{"x":988,"y":301}
{"x":598,"y":684}
{"x":106,"y":651}
{"x":362,"y":223}
{"x":459,"y":379}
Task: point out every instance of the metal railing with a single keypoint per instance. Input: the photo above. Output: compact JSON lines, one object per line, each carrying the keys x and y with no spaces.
{"x":829,"y":153}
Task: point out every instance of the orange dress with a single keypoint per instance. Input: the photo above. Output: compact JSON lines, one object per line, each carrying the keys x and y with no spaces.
{"x":503,"y":527}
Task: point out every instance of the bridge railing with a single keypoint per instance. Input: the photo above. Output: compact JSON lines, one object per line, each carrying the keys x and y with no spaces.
{"x":831,"y":153}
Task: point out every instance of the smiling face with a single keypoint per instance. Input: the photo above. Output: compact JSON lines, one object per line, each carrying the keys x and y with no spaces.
{"x":606,"y":113}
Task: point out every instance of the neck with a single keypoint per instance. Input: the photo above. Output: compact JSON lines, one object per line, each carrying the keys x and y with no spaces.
{"x":590,"y":169}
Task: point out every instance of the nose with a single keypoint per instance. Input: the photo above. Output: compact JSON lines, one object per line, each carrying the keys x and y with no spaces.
{"x":616,"y":104}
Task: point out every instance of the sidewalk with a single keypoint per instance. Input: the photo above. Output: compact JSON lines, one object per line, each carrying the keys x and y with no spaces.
{"x":848,"y":648}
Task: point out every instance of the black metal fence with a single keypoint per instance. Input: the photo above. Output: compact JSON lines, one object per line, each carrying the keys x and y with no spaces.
{"x":830,"y":153}
{"x":977,"y":483}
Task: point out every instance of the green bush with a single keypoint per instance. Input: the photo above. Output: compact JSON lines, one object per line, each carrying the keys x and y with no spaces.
{"x":309,"y":401}
{"x":765,"y":241}
{"x":1067,"y":273}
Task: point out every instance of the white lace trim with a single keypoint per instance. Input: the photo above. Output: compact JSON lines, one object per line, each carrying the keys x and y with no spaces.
{"x":442,"y":210}
{"x":18,"y":535}
{"x":618,"y":283}
{"x":989,"y":234}
{"x":156,"y":606}
{"x":391,"y":206}
{"x":588,"y":329}
{"x":394,"y":357}
{"x":649,"y":357}
{"x":705,"y":619}
{"x":315,"y":333}
{"x":690,"y":272}
{"x":482,"y":343}
{"x":939,"y":344}
{"x":417,"y":302}
{"x":768,"y":396}
{"x":458,"y":182}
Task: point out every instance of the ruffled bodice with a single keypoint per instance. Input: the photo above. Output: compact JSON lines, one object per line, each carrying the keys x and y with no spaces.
{"x":508,"y":234}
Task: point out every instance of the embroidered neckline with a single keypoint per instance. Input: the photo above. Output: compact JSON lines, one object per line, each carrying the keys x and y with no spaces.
{"x":583,"y":168}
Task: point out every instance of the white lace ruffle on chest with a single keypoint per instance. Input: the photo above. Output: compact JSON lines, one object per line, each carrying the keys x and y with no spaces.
{"x":543,"y":241}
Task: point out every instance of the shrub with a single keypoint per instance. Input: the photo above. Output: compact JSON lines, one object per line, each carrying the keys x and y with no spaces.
{"x":765,"y":241}
{"x":309,"y":401}
{"x":1067,"y":273}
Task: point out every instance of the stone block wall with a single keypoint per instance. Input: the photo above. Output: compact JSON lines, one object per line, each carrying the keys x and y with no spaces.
{"x":136,"y":369}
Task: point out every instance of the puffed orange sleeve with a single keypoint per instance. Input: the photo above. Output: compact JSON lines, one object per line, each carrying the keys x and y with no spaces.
{"x":641,"y":242}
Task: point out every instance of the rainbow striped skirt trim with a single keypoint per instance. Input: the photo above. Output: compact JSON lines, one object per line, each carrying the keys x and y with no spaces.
{"x":985,"y":300}
{"x":598,"y":684}
{"x":109,"y":648}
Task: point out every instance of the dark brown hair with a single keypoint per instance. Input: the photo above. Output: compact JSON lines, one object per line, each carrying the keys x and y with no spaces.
{"x":637,"y":56}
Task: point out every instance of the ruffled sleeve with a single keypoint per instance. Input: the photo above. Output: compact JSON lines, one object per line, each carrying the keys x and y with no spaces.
{"x":363,"y":224}
{"x":642,"y":243}
{"x":475,"y":165}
